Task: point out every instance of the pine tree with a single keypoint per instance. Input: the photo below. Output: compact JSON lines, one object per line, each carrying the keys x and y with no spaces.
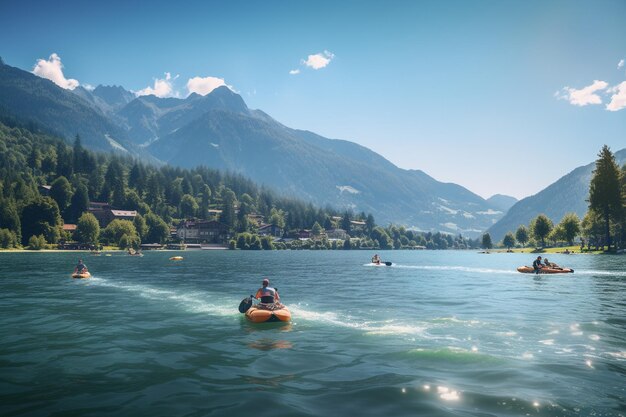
{"x":604,"y":191}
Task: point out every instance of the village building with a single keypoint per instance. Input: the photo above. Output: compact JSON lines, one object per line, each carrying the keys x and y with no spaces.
{"x":203,"y":231}
{"x":68,"y":227}
{"x":44,"y":190}
{"x":305,"y":234}
{"x":256,"y":219}
{"x":337,"y":234}
{"x":105,"y":214}
{"x":270,"y":230}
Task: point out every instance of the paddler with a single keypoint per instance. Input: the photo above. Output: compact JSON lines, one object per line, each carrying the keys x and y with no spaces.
{"x":267,"y":294}
{"x":81,"y":268}
{"x":537,"y":265}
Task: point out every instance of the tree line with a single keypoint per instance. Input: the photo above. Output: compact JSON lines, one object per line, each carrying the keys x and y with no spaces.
{"x":604,"y":224}
{"x":162,"y":195}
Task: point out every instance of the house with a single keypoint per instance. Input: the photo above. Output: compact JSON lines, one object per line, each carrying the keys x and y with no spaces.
{"x":270,"y":230}
{"x":305,"y":234}
{"x":105,"y":214}
{"x":203,"y":231}
{"x":337,"y":234}
{"x":68,"y":227}
{"x":44,"y":190}
{"x":256,"y":219}
{"x":123,"y":215}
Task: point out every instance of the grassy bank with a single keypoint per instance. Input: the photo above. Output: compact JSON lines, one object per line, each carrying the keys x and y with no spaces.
{"x":574,"y":250}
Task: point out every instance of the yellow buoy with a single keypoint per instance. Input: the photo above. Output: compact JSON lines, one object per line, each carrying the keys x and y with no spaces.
{"x":176,"y":258}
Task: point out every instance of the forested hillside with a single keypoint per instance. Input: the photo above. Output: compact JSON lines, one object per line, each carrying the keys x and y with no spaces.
{"x":161,"y":195}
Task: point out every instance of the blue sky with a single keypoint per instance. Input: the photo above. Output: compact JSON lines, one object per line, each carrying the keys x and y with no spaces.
{"x":497,"y":96}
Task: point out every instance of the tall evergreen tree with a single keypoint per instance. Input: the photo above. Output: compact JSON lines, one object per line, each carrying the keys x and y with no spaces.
{"x":78,"y":156}
{"x":205,"y":201}
{"x":605,"y":192}
{"x":61,"y":192}
{"x":79,"y":203}
{"x":228,"y":208}
{"x":65,"y":164}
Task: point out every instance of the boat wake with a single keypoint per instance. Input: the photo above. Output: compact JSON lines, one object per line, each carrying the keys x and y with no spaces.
{"x":194,"y":302}
{"x":459,"y":268}
{"x":602,"y":273}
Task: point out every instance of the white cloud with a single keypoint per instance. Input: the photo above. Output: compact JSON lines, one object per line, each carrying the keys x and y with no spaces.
{"x":620,"y":64}
{"x":89,"y":87}
{"x":618,"y":99}
{"x":204,"y":86}
{"x":294,"y":71}
{"x":585,"y":95}
{"x":52,"y":69}
{"x":162,"y":87}
{"x":319,"y":61}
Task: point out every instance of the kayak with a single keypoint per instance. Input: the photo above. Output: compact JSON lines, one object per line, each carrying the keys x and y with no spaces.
{"x":268,"y":313}
{"x":176,"y":258}
{"x":530,"y":270}
{"x":83,"y":275}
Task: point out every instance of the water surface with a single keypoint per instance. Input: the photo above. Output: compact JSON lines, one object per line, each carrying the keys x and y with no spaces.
{"x":440,"y":333}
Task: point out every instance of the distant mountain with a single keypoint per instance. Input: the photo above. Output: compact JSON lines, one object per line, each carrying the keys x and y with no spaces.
{"x":149,"y":117}
{"x":114,"y":96}
{"x":503,"y":202}
{"x":31,"y":99}
{"x":567,"y":195}
{"x":219,"y":130}
{"x":326,"y":171}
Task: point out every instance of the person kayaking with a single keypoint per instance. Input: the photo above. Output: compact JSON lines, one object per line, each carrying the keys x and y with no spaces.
{"x":537,"y":265}
{"x":267,"y":294}
{"x":376,"y":259}
{"x":81,"y":268}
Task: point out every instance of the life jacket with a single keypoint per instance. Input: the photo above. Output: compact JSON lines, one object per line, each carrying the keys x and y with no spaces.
{"x":266,"y":294}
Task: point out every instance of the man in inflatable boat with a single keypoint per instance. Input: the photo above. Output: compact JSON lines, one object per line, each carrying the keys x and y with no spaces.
{"x":267,"y":294}
{"x":537,"y":265}
{"x":81,"y":268}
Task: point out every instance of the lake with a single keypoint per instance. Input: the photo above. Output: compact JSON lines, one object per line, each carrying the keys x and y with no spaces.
{"x":441,"y":333}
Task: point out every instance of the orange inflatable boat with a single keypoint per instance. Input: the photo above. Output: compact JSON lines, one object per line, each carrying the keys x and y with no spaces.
{"x":545,"y":270}
{"x":264,"y":313}
{"x":268,"y":313}
{"x":83,"y":275}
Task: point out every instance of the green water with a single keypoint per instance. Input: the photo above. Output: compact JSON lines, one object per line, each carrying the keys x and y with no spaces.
{"x":438,"y":333}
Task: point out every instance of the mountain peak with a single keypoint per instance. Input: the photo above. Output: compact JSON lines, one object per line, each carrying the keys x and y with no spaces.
{"x":113,"y":95}
{"x":502,"y":202}
{"x":225,"y":98}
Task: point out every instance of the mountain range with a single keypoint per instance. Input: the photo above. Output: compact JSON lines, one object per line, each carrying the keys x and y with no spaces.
{"x":220,"y":131}
{"x":566,"y":195}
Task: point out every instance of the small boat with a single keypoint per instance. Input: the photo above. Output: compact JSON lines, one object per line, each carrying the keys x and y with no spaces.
{"x":268,"y":313}
{"x":544,"y":270}
{"x":81,"y":275}
{"x":381,"y":263}
{"x":264,"y":313}
{"x":176,"y":258}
